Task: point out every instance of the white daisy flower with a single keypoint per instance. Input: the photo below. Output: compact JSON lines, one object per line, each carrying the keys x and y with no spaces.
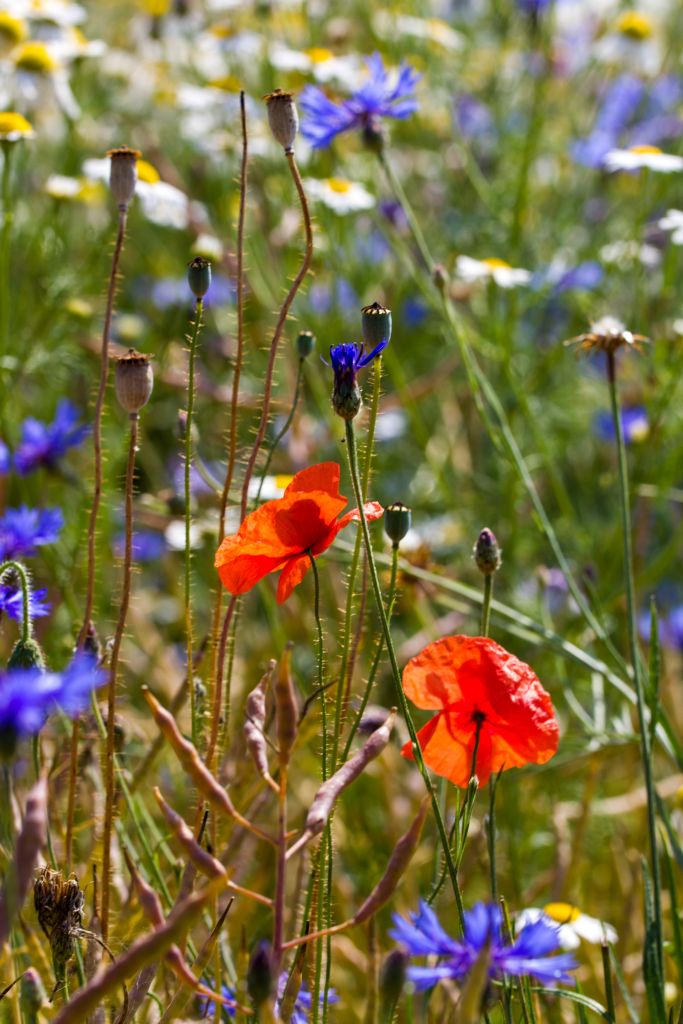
{"x":629,"y":251}
{"x":317,"y":61}
{"x":573,"y":925}
{"x":340,"y":195}
{"x":492,"y":268}
{"x":642,"y":157}
{"x":434,"y":30}
{"x":161,"y":203}
{"x":673,"y":221}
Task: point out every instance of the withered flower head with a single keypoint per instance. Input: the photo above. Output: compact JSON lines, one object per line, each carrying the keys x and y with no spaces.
{"x":608,"y":335}
{"x":133,"y":380}
{"x":282,"y":118}
{"x":123,"y":174}
{"x":59,"y":906}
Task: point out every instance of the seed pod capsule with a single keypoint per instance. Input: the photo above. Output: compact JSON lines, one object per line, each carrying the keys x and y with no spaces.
{"x":199,"y":276}
{"x":123,"y":174}
{"x":375,"y":324}
{"x":397,"y":520}
{"x":282,"y":118}
{"x":133,"y":380}
{"x":305,"y":343}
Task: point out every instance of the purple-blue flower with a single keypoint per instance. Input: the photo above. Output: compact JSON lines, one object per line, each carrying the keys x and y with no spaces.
{"x":24,"y":529}
{"x":5,"y":459}
{"x":28,"y":696}
{"x":43,"y":444}
{"x":148,"y":545}
{"x":346,"y":360}
{"x":12,"y":603}
{"x":422,"y":935}
{"x":378,"y":97}
{"x":634,"y":424}
{"x":302,"y":1006}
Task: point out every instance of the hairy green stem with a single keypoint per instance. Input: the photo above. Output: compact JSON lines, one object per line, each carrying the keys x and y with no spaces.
{"x":24,"y":582}
{"x":196,"y":327}
{"x":321,"y":663}
{"x":285,"y":427}
{"x":486,"y":604}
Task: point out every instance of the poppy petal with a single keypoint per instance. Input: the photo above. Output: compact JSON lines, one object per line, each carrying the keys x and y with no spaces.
{"x":372,"y":510}
{"x":240,"y":571}
{"x":432,"y":678}
{"x":323,"y":477}
{"x":447,"y":754}
{"x":291,"y":576}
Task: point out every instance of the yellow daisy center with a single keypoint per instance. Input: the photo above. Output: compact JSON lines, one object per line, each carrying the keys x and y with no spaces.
{"x":319,"y":54}
{"x":11,"y":123}
{"x":563,"y":913}
{"x":148,"y":173}
{"x":645,"y":149}
{"x":35,"y":57}
{"x":222,"y":31}
{"x":339,"y":185}
{"x":228,"y":83}
{"x":634,"y":25}
{"x":13,"y":29}
{"x":494,"y":263}
{"x":157,"y":8}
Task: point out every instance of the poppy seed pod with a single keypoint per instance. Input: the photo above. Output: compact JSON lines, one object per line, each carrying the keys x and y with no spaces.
{"x":282,"y":118}
{"x":123,"y":174}
{"x":397,"y":520}
{"x":486,"y":553}
{"x":305,"y":343}
{"x":133,"y":380}
{"x":199,"y":276}
{"x":375,"y":324}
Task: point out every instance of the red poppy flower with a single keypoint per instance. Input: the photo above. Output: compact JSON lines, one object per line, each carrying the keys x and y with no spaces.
{"x":281,"y":533}
{"x":475,"y":683}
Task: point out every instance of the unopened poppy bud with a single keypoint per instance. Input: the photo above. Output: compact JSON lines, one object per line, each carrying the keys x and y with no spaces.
{"x":282,"y":118}
{"x":133,"y":380}
{"x":199,"y":276}
{"x":440,"y":277}
{"x":260,"y":975}
{"x":397,"y":520}
{"x":392,"y":978}
{"x":26,"y":654}
{"x":375,"y":324}
{"x":123,"y":174}
{"x":32,"y":995}
{"x":486,"y":553}
{"x":305,"y":343}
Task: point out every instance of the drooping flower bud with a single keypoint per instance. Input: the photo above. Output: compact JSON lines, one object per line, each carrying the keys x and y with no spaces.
{"x":133,"y":380}
{"x":375,"y":324}
{"x":282,"y":118}
{"x":123,"y":174}
{"x":199,"y":276}
{"x":260,"y":981}
{"x":486,"y":553}
{"x":397,"y":520}
{"x":305,"y":343}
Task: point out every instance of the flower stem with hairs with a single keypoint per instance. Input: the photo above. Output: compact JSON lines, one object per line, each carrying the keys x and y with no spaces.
{"x":196,"y":327}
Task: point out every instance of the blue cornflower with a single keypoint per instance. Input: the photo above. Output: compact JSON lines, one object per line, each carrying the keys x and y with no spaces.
{"x":43,"y":444}
{"x":376,"y":98}
{"x":12,"y":604}
{"x":302,"y":1006}
{"x":345,"y":361}
{"x":5,"y":459}
{"x":24,"y":529}
{"x":27,"y":696}
{"x":422,"y":935}
{"x":148,"y":545}
{"x":634,"y":424}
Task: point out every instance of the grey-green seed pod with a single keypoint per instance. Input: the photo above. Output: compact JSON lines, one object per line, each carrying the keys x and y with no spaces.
{"x":260,"y":975}
{"x":486,"y":553}
{"x":392,"y":978}
{"x":133,"y":380}
{"x":375,"y":324}
{"x":305,"y":343}
{"x":123,"y":174}
{"x":26,"y":654}
{"x":397,"y":520}
{"x":199,"y":276}
{"x":282,"y":118}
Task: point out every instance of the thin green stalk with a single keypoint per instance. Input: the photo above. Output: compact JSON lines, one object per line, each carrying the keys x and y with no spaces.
{"x":344,"y":668}
{"x":19,"y":570}
{"x":609,"y":987}
{"x":321,"y":664}
{"x":285,"y":427}
{"x":417,"y":752}
{"x":491,"y":836}
{"x":486,"y":604}
{"x":199,"y":305}
{"x":378,"y":656}
{"x":7,"y":217}
{"x":631,"y":614}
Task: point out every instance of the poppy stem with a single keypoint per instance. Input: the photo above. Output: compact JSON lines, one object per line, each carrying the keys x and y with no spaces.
{"x":285,"y":427}
{"x":113,"y":671}
{"x":396,"y":672}
{"x":378,"y":655}
{"x":486,"y":604}
{"x":321,"y":662}
{"x":196,"y":327}
{"x":25,"y":583}
{"x":645,"y":744}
